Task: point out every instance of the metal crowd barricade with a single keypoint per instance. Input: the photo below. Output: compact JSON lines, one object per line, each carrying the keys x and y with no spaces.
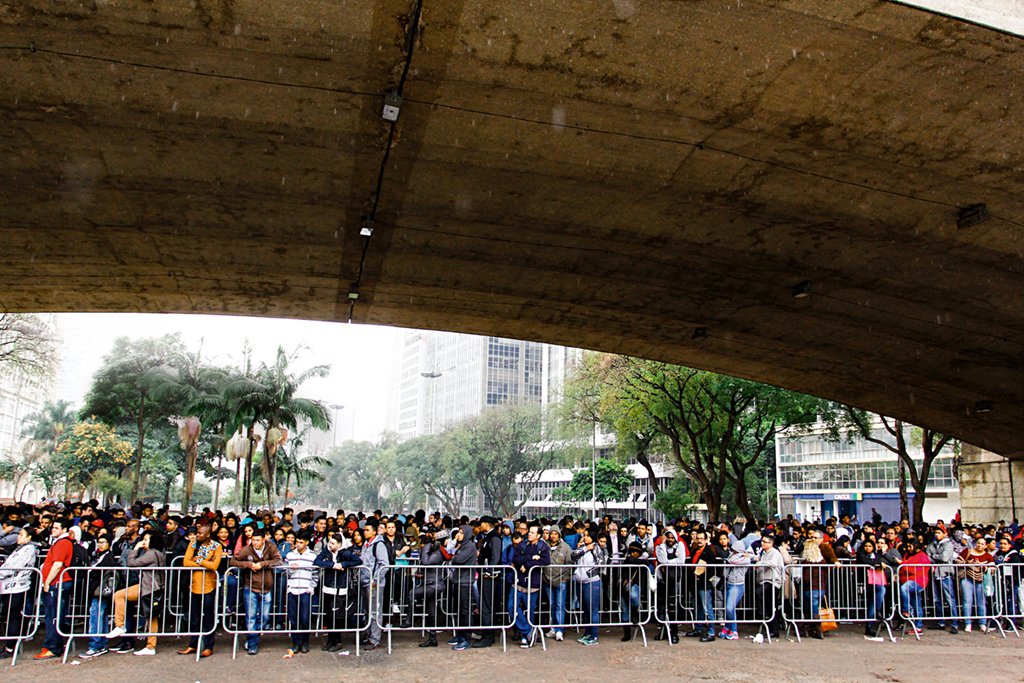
{"x":460,"y":598}
{"x":950,"y":594}
{"x":96,"y":592}
{"x":340,"y":608}
{"x":856,"y":593}
{"x":702,"y":595}
{"x":19,"y":610}
{"x":626,"y":598}
{"x":1011,"y":590}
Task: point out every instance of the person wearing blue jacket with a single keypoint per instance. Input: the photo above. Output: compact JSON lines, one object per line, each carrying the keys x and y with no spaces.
{"x":526,"y":555}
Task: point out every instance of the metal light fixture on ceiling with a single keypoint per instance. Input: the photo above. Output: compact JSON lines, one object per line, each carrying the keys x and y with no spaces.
{"x":802,"y":290}
{"x":982,"y":407}
{"x":972,"y":215}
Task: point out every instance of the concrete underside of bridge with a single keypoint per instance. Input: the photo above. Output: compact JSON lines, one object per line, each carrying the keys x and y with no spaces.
{"x":613,"y":174}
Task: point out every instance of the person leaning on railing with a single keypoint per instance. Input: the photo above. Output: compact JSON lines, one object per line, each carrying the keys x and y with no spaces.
{"x":148,"y":553}
{"x":977,"y":562}
{"x":588,"y":557}
{"x":770,"y":568}
{"x":556,"y":581}
{"x":877,"y":581}
{"x":100,"y":591}
{"x":913,"y":580}
{"x":259,"y":558}
{"x":15,"y":582}
{"x":203,"y":553}
{"x":334,"y":561}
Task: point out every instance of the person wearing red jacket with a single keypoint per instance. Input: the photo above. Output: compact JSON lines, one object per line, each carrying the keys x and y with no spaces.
{"x":913,"y":579}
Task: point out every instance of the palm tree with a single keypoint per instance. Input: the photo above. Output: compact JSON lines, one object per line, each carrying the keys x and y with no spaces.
{"x":188,"y":382}
{"x":43,"y":430}
{"x":291,"y":465}
{"x":270,"y":398}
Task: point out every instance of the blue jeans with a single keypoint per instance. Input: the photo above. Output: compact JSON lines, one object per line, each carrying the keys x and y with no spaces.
{"x":231,"y":588}
{"x":298,"y":617}
{"x":591,"y":592}
{"x":812,"y":604}
{"x":974,"y":597}
{"x":631,"y":603}
{"x":257,"y":609}
{"x":876,"y":603}
{"x":705,"y":611}
{"x":54,"y":642}
{"x":556,"y":598}
{"x":733,"y":595}
{"x":945,"y":600}
{"x":526,"y":604}
{"x":910,"y":599}
{"x":98,"y":624}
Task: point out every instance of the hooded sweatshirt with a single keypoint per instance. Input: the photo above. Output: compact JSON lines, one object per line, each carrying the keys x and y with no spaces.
{"x":464,"y":554}
{"x":738,"y":560}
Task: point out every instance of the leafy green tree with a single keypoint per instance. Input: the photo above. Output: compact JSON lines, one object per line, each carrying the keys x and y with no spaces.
{"x":431,"y":463}
{"x":124,"y":390}
{"x":500,"y":448}
{"x":293,"y":466}
{"x":677,"y":499}
{"x":717,"y":427}
{"x":900,"y":439}
{"x":605,"y":481}
{"x":89,"y":448}
{"x":270,"y":397}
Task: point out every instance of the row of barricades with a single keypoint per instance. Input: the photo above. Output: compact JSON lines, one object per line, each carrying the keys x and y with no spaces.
{"x":159,"y":602}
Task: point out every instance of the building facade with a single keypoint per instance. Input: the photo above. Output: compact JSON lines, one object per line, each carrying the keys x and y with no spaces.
{"x":445,"y":377}
{"x":818,"y":477}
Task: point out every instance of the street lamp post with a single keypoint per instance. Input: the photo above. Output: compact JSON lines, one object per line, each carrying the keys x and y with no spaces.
{"x":336,"y":407}
{"x":431,"y":375}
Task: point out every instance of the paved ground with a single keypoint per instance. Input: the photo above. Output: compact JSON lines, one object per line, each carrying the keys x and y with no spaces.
{"x":843,"y":657}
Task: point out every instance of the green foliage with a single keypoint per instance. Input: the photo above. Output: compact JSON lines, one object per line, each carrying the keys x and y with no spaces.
{"x":676,"y":499}
{"x":89,"y":448}
{"x":430,"y":464}
{"x":110,"y":485}
{"x":607,"y":480}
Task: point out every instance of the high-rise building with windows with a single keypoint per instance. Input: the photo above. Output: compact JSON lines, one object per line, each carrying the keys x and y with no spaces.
{"x":445,"y":377}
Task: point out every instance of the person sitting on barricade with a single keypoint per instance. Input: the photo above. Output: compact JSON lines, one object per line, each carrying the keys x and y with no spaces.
{"x":15,"y":586}
{"x":203,"y":553}
{"x":257,"y":561}
{"x":339,"y":605}
{"x":588,"y":557}
{"x":528,"y":553}
{"x":146,"y":594}
{"x":913,"y":580}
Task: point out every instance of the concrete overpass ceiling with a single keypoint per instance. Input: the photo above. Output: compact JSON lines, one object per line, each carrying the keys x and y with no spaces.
{"x":612,"y":175}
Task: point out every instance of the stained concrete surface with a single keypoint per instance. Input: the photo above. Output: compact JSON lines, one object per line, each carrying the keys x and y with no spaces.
{"x":843,"y":657}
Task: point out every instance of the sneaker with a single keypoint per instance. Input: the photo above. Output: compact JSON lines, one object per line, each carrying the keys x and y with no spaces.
{"x":953,"y":630}
{"x":524,"y":643}
{"x":984,"y":628}
{"x":581,"y":638}
{"x":723,"y":633}
{"x":558,"y":636}
{"x":145,"y":652}
{"x":90,"y":653}
{"x":44,"y":654}
{"x":731,"y":635}
{"x":116,"y":632}
{"x":550,"y":633}
{"x":461,"y":645}
{"x":455,"y":640}
{"x":967,"y":629}
{"x":590,"y":641}
{"x":124,"y":648}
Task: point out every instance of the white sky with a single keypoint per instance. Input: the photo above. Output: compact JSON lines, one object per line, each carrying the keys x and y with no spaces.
{"x":361,"y":357}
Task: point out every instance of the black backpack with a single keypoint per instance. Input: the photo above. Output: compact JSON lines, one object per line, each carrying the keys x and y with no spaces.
{"x":79,"y":556}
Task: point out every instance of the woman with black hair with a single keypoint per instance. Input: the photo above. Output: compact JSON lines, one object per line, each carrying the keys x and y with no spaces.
{"x":147,"y":554}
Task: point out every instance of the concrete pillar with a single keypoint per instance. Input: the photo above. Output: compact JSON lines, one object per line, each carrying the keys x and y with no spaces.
{"x":991,"y":487}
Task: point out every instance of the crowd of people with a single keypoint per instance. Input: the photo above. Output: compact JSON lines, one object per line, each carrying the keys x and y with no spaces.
{"x":311,"y":572}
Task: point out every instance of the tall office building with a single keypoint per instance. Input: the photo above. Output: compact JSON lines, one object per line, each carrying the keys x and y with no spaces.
{"x":445,"y":377}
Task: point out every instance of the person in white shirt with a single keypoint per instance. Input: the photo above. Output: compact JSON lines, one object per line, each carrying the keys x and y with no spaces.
{"x":301,"y":584}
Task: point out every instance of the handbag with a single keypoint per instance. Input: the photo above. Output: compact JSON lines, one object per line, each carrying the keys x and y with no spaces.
{"x":876,"y":577}
{"x":828,"y":617}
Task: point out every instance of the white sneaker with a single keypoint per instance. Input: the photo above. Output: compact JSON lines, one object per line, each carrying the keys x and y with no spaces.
{"x":984,"y":628}
{"x":550,"y":633}
{"x":116,"y":632}
{"x":559,"y":637}
{"x":967,"y":629}
{"x":145,"y":652}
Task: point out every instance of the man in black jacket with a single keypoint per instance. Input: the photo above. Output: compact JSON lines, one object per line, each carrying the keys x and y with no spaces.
{"x":492,"y":583}
{"x":528,"y":554}
{"x":428,"y":585}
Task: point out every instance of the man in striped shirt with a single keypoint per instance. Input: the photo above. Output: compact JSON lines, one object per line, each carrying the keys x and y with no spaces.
{"x":301,"y":583}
